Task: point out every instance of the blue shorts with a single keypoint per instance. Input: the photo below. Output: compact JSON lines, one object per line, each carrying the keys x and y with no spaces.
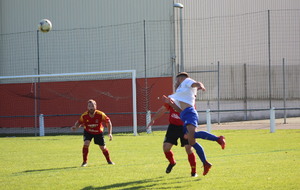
{"x":189,"y":116}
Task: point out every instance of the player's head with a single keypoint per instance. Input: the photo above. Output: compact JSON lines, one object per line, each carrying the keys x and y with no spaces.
{"x":92,"y":106}
{"x":180,"y":77}
{"x":182,"y":74}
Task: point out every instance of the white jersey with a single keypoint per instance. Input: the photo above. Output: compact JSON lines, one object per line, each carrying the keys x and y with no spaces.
{"x":185,"y":93}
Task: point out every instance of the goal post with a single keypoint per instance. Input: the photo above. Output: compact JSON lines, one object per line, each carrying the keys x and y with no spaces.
{"x":62,"y":97}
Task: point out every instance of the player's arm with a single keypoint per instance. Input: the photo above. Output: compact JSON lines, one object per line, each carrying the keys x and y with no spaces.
{"x":160,"y":112}
{"x":171,"y":103}
{"x":198,"y":85}
{"x":75,"y":126}
{"x":109,"y":128}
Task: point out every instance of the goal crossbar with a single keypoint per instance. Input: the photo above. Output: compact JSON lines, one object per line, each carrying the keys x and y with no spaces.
{"x":67,"y":74}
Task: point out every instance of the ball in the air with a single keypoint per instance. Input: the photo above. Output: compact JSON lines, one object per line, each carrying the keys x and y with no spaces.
{"x":45,"y":25}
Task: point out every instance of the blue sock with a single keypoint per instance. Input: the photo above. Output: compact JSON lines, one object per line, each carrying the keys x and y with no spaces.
{"x":200,"y":152}
{"x":205,"y":135}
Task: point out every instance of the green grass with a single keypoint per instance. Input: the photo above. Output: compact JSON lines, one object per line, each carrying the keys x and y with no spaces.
{"x":253,"y":159}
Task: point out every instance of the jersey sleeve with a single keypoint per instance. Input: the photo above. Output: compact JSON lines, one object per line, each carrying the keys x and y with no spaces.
{"x":105,"y":118}
{"x":189,"y":82}
{"x":81,"y":120}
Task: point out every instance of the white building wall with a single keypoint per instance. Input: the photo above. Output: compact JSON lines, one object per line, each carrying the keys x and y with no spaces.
{"x":238,"y":32}
{"x":214,"y":8}
{"x":117,"y":41}
{"x":219,"y":28}
{"x":116,"y":45}
{"x":24,"y":15}
{"x":1,"y":16}
{"x":80,"y":51}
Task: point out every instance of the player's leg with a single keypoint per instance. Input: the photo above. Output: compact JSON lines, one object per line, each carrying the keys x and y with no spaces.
{"x":168,"y":152}
{"x":85,"y":149}
{"x":106,"y":154}
{"x":190,"y":117}
{"x":167,"y":148}
{"x":188,"y":149}
{"x":99,"y":140}
{"x":199,"y":149}
{"x":208,"y":136}
{"x":170,"y":140}
{"x":85,"y":152}
{"x":193,"y":143}
{"x":192,"y":160}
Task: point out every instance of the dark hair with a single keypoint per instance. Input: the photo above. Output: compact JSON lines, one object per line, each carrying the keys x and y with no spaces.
{"x":182,"y":74}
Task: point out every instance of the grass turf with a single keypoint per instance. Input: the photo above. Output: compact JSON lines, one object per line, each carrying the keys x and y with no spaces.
{"x":253,"y":159}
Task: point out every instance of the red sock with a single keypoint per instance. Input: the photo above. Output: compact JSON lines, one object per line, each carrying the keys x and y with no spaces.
{"x":85,"y":152}
{"x":106,"y":154}
{"x":170,"y":157}
{"x":192,"y":161}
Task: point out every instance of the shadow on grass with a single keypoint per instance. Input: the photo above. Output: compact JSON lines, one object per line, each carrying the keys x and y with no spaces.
{"x":160,"y":182}
{"x":49,"y":169}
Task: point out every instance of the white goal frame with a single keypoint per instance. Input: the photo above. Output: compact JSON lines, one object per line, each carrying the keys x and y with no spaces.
{"x":133,"y":79}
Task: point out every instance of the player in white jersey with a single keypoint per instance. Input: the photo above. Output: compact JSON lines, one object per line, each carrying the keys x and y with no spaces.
{"x":184,"y":98}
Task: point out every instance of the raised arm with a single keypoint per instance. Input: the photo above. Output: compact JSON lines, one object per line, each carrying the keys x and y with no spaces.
{"x":199,"y":85}
{"x":171,"y":103}
{"x":157,"y":115}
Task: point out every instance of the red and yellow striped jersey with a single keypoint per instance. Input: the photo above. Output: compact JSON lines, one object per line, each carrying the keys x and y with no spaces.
{"x":93,"y":125}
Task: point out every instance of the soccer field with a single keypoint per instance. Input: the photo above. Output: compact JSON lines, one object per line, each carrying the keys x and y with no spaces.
{"x":253,"y":159}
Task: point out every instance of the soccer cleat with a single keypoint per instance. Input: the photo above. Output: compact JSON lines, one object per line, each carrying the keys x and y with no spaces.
{"x":170,"y":167}
{"x":206,"y":167}
{"x":194,"y":175}
{"x":84,"y":164}
{"x":222,"y":142}
{"x":110,"y":162}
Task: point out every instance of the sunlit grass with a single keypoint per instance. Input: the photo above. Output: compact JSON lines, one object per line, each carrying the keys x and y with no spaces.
{"x":253,"y":159}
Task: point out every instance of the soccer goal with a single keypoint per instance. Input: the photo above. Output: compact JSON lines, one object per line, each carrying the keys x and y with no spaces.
{"x":61,"y":98}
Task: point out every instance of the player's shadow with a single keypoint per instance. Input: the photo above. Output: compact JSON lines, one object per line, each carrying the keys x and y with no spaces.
{"x":141,"y":184}
{"x":49,"y":169}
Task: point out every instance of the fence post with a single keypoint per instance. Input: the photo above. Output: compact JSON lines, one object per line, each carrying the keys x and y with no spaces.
{"x":272,"y":120}
{"x":269,"y":54}
{"x":148,"y":120}
{"x":218,"y":93}
{"x":245,"y":96}
{"x":41,"y":124}
{"x":284,"y":89}
{"x":208,"y":120}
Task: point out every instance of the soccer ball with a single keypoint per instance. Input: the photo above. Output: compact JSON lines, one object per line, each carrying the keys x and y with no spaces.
{"x":45,"y":25}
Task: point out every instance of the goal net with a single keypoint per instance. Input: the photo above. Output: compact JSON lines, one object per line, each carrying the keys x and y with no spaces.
{"x":62,"y":98}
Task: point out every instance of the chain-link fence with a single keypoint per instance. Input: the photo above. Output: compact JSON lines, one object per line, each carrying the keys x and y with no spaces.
{"x":248,"y":62}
